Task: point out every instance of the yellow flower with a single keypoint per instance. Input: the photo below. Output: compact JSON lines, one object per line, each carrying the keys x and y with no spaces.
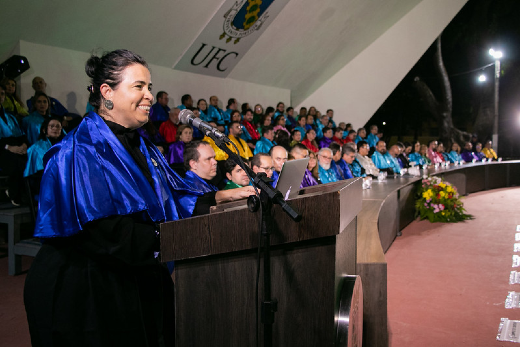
{"x":427,"y":194}
{"x":442,"y":185}
{"x":449,"y":189}
{"x":442,"y":194}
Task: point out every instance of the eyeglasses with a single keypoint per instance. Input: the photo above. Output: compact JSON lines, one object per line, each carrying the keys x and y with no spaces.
{"x":325,"y":157}
{"x":267,"y":168}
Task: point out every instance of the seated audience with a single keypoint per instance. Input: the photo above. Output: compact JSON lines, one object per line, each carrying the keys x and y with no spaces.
{"x":351,"y":136}
{"x":262,"y":162}
{"x":310,"y":141}
{"x":439,"y":151}
{"x":296,"y":137}
{"x":279,"y":155}
{"x":12,"y":102}
{"x":478,"y":152}
{"x":423,"y":151}
{"x":415,"y":156}
{"x":266,"y":141}
{"x":160,"y":111}
{"x":346,"y":163}
{"x":290,"y":121}
{"x":258,"y":115}
{"x":279,"y":110}
{"x":250,"y":133}
{"x":299,"y":151}
{"x":303,"y":111}
{"x":325,"y":172}
{"x":183,"y":136}
{"x":56,"y":108}
{"x":361,"y":134}
{"x":454,"y":155}
{"x":282,"y":139}
{"x":311,"y":122}
{"x":51,"y":132}
{"x":13,"y":150}
{"x":362,"y":157}
{"x":279,"y":124}
{"x":168,"y":129}
{"x":302,"y":125}
{"x":201,"y":166}
{"x":467,"y":153}
{"x":197,"y":134}
{"x":186,"y":102}
{"x":393,"y":153}
{"x":235,"y":131}
{"x":214,"y":112}
{"x":336,"y":158}
{"x":432,"y":154}
{"x":320,"y":125}
{"x":384,"y":160}
{"x":32,"y":123}
{"x":330,"y":114}
{"x":402,"y":158}
{"x":489,"y":152}
{"x":237,"y":177}
{"x":338,"y":136}
{"x":232,"y":106}
{"x":245,"y":107}
{"x":202,"y":106}
{"x":265,"y":121}
{"x":372,"y":138}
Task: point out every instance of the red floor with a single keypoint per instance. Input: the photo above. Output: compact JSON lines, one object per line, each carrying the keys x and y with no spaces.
{"x":446,"y":282}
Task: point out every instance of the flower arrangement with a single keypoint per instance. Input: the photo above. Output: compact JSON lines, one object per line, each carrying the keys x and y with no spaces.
{"x":438,"y":201}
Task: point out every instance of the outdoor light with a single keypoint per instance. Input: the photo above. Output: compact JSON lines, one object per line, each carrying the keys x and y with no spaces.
{"x":482,"y":78}
{"x":495,"y":54}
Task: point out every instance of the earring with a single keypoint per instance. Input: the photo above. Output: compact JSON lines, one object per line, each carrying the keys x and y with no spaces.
{"x":109,"y":104}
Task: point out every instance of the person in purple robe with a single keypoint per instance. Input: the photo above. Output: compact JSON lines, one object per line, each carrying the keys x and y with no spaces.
{"x":308,"y":177}
{"x":467,"y":153}
{"x":327,"y":138}
{"x":176,"y":150}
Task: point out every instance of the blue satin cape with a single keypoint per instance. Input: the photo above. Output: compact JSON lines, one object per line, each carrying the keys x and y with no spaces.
{"x":90,"y":175}
{"x":199,"y":184}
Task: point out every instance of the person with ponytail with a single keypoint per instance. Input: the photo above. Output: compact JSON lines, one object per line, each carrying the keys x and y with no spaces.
{"x":97,"y":279}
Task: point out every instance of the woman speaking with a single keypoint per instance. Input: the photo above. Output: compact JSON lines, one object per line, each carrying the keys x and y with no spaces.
{"x":96,"y":280}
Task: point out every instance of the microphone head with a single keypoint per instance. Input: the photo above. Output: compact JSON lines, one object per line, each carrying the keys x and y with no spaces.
{"x":185,"y":116}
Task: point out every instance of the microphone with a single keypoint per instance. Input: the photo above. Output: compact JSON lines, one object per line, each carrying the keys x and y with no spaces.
{"x":187,"y":117}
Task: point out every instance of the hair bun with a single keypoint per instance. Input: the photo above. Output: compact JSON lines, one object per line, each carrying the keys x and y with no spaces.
{"x":93,"y":63}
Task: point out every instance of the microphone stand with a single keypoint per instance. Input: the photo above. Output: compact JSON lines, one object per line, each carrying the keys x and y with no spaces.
{"x":268,"y":197}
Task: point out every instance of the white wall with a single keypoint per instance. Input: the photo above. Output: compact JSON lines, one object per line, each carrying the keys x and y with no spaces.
{"x":358,"y":89}
{"x":64,"y":72}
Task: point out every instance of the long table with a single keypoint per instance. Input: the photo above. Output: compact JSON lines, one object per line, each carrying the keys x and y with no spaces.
{"x":390,"y":206}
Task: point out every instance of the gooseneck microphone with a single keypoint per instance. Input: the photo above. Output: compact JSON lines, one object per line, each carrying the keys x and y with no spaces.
{"x":187,"y":117}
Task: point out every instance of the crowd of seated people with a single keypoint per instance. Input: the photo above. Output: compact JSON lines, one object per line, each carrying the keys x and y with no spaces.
{"x":263,"y":137}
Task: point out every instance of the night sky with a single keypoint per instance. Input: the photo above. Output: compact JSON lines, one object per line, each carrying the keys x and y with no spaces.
{"x":479,"y":26}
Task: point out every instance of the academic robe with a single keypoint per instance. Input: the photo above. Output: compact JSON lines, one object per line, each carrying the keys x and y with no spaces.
{"x":56,"y":107}
{"x":308,"y":179}
{"x":96,"y":280}
{"x":199,"y":183}
{"x":159,"y":113}
{"x":176,"y":153}
{"x":12,"y":106}
{"x":345,"y":169}
{"x":372,"y":140}
{"x":31,"y":126}
{"x":215,"y":114}
{"x":468,"y":156}
{"x":454,"y":157}
{"x":359,"y":138}
{"x":35,"y":155}
{"x":417,"y":158}
{"x":310,"y":146}
{"x":357,"y":169}
{"x":325,"y":142}
{"x":263,"y":145}
{"x":250,"y":132}
{"x":327,"y":176}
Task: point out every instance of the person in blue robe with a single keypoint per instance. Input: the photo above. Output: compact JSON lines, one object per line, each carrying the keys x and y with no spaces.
{"x":51,"y":133}
{"x":56,"y":108}
{"x":326,"y":167}
{"x":345,"y":169}
{"x":104,"y":191}
{"x":266,"y":142}
{"x":214,"y":113}
{"x":40,"y":111}
{"x":372,"y":138}
{"x":357,"y":169}
{"x":13,"y":152}
{"x":383,"y":160}
{"x":361,"y":134}
{"x":160,"y":111}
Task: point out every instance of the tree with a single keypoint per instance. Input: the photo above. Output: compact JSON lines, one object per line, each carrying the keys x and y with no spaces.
{"x":441,"y":109}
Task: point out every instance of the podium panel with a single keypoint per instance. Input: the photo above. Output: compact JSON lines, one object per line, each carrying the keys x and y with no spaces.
{"x":216,"y":269}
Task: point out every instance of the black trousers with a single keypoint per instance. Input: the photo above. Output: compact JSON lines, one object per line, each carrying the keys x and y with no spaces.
{"x":13,"y":165}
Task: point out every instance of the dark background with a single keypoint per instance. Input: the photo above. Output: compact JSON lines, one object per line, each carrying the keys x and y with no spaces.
{"x":479,"y":26}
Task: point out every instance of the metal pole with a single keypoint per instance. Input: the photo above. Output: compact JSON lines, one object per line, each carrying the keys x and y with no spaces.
{"x":495,"y":124}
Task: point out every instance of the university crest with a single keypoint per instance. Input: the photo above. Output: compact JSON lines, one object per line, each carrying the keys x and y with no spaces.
{"x":244,"y":18}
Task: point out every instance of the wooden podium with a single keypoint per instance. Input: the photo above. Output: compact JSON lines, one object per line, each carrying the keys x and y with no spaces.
{"x":216,"y":268}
